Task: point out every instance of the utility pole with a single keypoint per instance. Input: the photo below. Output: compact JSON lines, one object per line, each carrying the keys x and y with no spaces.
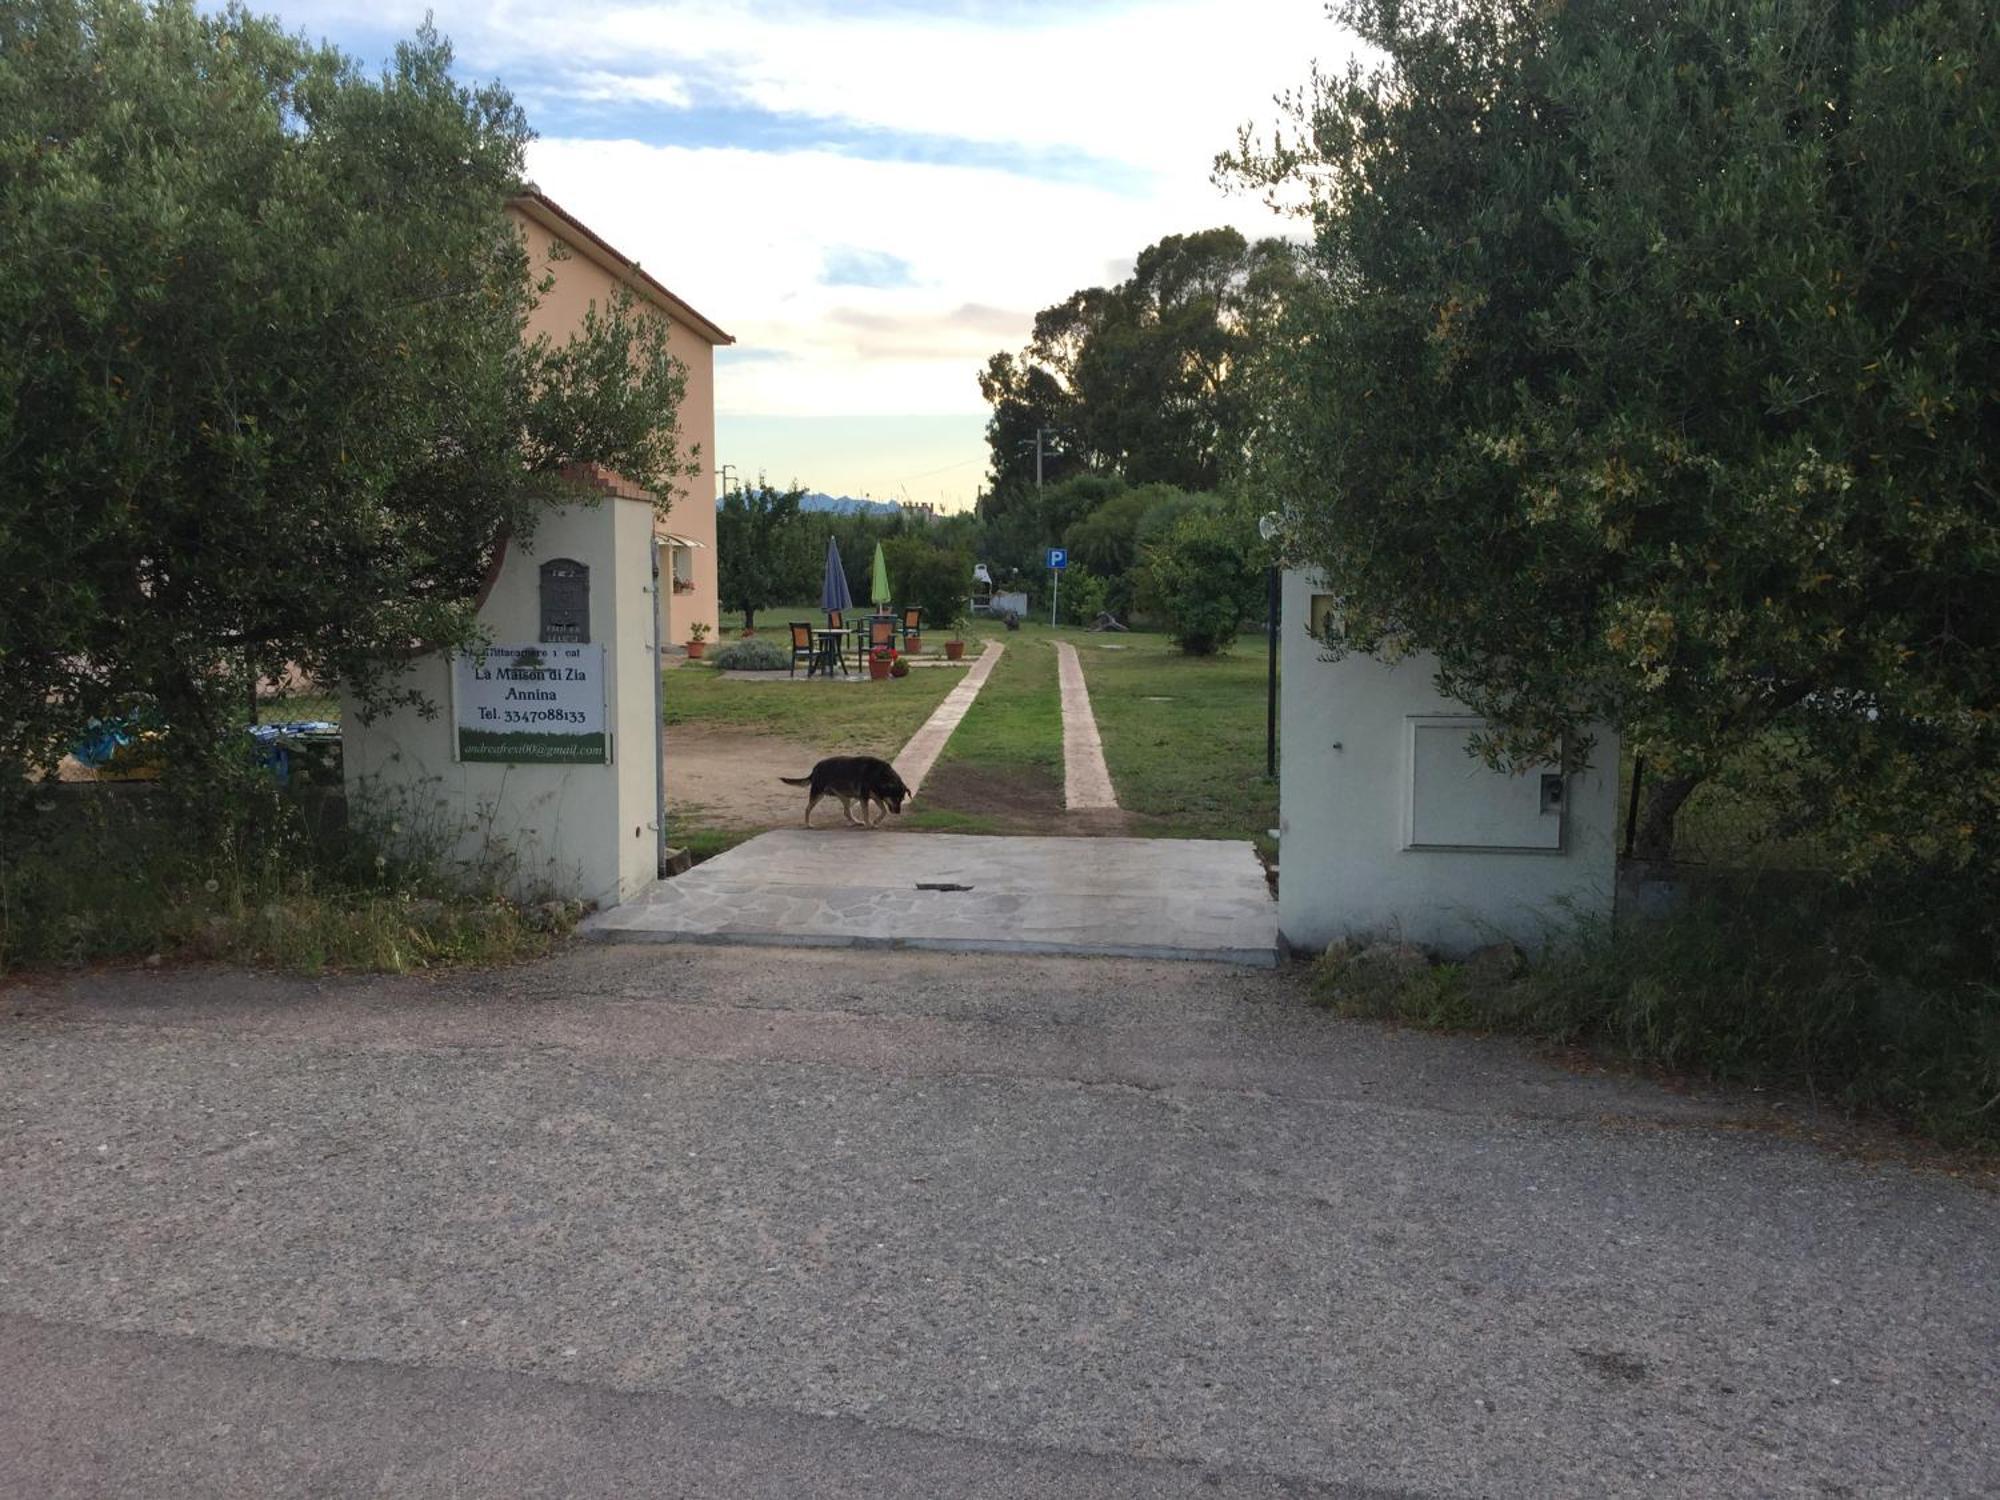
{"x":1039,"y":431}
{"x":724,"y":471}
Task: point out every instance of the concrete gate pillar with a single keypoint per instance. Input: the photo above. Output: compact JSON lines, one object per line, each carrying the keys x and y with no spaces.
{"x":1389,"y":829}
{"x":539,"y":766}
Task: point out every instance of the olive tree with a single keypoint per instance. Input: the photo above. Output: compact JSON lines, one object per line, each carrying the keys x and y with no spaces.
{"x":267,"y":396}
{"x":1650,"y":375}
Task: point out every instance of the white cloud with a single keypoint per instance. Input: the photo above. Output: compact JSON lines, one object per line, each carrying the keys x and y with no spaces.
{"x":744,"y":236}
{"x":1094,"y":128}
{"x":1153,"y":83}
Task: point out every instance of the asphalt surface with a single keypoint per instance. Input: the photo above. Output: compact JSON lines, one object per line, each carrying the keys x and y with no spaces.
{"x":742,"y":1222}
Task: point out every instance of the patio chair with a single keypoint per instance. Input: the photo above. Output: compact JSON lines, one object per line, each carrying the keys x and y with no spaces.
{"x":802,"y":646}
{"x":913,"y":626}
{"x":881,"y":632}
{"x":835,"y":620}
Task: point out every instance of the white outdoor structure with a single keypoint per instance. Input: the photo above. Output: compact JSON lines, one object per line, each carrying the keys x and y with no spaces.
{"x":587,"y":831}
{"x":1388,"y":829}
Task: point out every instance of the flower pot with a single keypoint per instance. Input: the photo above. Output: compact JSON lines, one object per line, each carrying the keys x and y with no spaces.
{"x":878,"y":665}
{"x":697,"y":650}
{"x":954,"y":650}
{"x":913,"y":644}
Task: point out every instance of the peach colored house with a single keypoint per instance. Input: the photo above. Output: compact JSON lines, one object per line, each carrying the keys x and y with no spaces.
{"x":591,"y":274}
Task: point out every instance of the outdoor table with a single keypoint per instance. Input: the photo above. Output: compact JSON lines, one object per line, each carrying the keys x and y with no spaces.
{"x":827,"y":653}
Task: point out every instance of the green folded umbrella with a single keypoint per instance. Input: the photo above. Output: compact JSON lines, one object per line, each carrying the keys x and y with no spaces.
{"x":878,"y":591}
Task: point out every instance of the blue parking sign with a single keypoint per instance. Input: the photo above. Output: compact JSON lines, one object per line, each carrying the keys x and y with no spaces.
{"x":1058,"y":558}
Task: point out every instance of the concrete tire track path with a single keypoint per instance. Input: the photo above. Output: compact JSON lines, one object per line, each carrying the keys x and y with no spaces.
{"x":1086,"y":779}
{"x":914,"y":761}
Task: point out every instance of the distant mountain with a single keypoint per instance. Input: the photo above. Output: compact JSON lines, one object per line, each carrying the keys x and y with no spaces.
{"x":845,"y":505}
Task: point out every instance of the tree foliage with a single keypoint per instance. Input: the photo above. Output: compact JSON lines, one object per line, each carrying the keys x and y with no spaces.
{"x":761,"y":549}
{"x":1108,"y":540}
{"x":265,"y":394}
{"x":1018,"y":525}
{"x":1650,"y":376}
{"x":1145,"y":379}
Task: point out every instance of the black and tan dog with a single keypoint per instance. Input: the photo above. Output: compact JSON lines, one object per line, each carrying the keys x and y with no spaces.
{"x":854,"y":778}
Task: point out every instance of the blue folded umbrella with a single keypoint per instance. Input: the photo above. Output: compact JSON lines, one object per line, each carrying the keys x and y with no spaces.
{"x":833,"y":593}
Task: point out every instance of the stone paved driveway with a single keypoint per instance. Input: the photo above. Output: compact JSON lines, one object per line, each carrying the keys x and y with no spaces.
{"x":850,"y":887}
{"x":742,"y":1222}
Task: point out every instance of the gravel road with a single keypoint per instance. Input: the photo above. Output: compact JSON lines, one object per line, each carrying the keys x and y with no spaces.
{"x":738,"y":1222}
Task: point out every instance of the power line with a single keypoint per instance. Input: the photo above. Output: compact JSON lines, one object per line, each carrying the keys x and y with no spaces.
{"x":942,"y":468}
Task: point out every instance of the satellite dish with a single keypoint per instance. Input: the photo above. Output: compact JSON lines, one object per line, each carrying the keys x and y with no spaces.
{"x":1269,"y":525}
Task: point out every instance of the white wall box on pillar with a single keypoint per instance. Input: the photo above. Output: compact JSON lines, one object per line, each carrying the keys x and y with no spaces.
{"x":1454,"y":800}
{"x":537,"y":769}
{"x":1389,"y":828}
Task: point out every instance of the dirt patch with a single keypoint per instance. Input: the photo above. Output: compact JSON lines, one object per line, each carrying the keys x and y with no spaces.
{"x":1013,"y":801}
{"x":1007,"y":798}
{"x":726,"y":778}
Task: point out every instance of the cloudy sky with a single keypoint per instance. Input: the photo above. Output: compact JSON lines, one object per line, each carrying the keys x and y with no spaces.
{"x":873,"y":197}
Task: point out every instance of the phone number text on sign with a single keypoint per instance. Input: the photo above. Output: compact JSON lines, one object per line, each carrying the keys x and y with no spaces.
{"x":531,"y":705}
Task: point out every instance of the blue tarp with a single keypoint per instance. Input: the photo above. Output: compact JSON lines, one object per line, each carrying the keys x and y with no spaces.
{"x":274,"y":741}
{"x":105,"y":741}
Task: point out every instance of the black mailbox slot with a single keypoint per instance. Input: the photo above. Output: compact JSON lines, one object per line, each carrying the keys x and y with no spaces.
{"x":565,"y":602}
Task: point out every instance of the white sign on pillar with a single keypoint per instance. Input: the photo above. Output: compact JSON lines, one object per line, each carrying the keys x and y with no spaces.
{"x":531,"y":705}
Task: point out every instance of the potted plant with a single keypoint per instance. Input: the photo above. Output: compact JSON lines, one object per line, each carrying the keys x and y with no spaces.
{"x":697,"y":641}
{"x":954,"y":647}
{"x":879,"y":661}
{"x":899,"y":668}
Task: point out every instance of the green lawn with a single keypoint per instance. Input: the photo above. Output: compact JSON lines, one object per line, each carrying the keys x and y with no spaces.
{"x":872,"y":717}
{"x":290,"y":708}
{"x":1183,"y":735}
{"x":1003,"y":764}
{"x":1016,"y":722}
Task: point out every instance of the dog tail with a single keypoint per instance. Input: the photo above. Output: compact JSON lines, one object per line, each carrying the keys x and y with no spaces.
{"x":796,"y":780}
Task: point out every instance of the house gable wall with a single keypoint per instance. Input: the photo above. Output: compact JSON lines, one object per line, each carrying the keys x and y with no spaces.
{"x":584,"y":278}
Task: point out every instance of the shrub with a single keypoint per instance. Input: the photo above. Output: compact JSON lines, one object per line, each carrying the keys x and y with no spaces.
{"x":234,"y":868}
{"x":1083,"y":595}
{"x":758,"y":654}
{"x":1204,"y":578}
{"x":1876,"y":996}
{"x":936,"y":579}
